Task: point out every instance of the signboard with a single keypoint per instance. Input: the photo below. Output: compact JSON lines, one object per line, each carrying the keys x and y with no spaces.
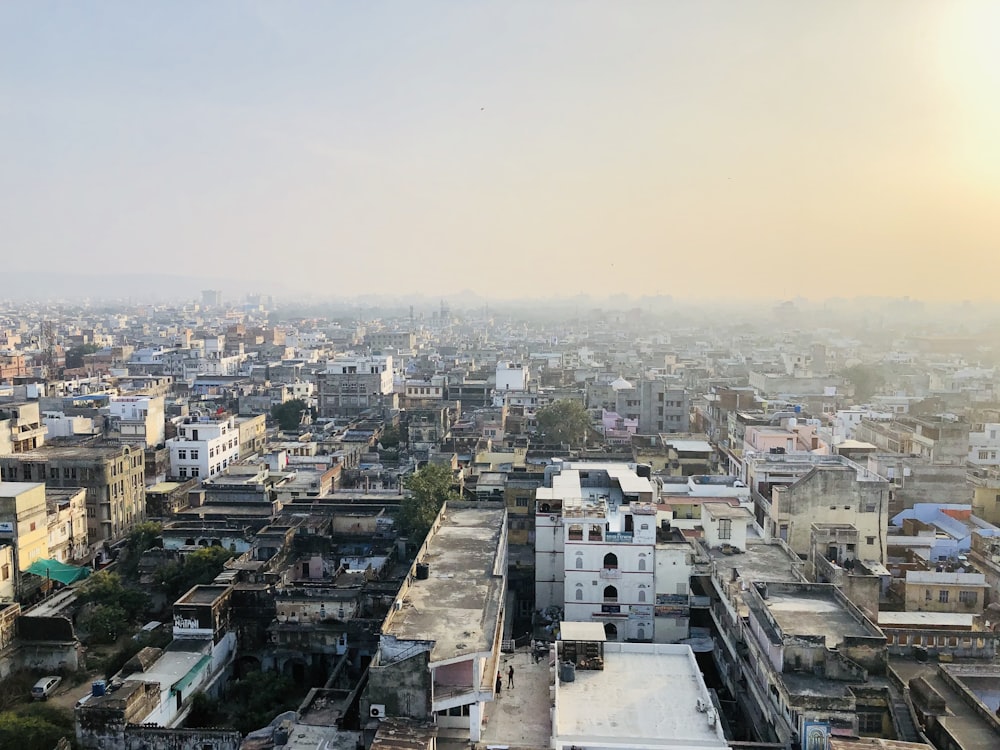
{"x":815,"y":735}
{"x":611,"y":609}
{"x":6,"y":527}
{"x":619,"y":537}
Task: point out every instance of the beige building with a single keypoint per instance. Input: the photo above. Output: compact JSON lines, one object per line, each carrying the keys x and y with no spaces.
{"x":67,"y":524}
{"x":23,"y":522}
{"x":252,"y":435}
{"x":112,"y":475}
{"x":928,"y":591}
{"x":7,"y":576}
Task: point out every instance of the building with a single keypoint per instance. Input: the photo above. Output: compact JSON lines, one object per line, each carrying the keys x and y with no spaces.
{"x":352,"y":385}
{"x":21,"y":428}
{"x":137,"y":420}
{"x":595,"y":537}
{"x":204,"y":447}
{"x":112,"y":476}
{"x":67,"y":524}
{"x":252,"y":435}
{"x":611,"y":696}
{"x":659,"y":405}
{"x":23,"y":523}
{"x":439,"y":646}
{"x":931,"y":591}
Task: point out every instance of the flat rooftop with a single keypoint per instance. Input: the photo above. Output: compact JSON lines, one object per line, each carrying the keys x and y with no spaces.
{"x":760,"y":562}
{"x":815,"y":614}
{"x":956,"y":620}
{"x":458,"y":605}
{"x":203,"y":594}
{"x":658,"y":711}
{"x":13,"y":489}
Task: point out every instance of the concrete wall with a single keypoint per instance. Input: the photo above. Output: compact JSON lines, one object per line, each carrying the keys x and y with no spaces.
{"x":158,"y":738}
{"x":403,"y":687}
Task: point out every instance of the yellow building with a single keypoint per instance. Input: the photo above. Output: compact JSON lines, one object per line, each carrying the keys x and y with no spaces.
{"x":23,"y":521}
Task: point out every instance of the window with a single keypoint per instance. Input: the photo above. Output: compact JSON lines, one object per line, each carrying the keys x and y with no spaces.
{"x":642,"y":562}
{"x":869,"y":723}
{"x":182,"y":472}
{"x":725,"y":528}
{"x":642,"y":595}
{"x":983,"y":455}
{"x":182,"y":454}
{"x":194,"y":471}
{"x":579,"y":563}
{"x":579,"y":592}
{"x":870,"y":540}
{"x":610,"y":594}
{"x":610,"y":561}
{"x":943,"y":596}
{"x":194,"y":454}
{"x":521,"y":502}
{"x":968,"y":597}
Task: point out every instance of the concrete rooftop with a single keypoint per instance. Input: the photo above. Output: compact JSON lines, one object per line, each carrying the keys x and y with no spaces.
{"x":815,"y":614}
{"x":458,"y":605}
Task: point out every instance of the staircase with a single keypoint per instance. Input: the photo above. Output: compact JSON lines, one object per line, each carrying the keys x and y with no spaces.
{"x":906,"y":730}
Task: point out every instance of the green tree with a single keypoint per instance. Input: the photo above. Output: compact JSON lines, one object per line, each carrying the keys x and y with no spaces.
{"x":197,"y":569}
{"x":104,"y":622}
{"x":427,"y":490}
{"x":866,"y":379}
{"x":104,"y":588}
{"x":35,"y":727}
{"x":390,"y":436}
{"x":144,"y":537}
{"x":289,"y":414}
{"x":564,"y":422}
{"x":250,"y":703}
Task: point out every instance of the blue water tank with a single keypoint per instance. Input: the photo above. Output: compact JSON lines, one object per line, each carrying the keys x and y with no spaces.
{"x":98,"y":688}
{"x":798,"y":408}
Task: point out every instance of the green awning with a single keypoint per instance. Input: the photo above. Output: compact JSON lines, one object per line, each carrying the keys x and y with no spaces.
{"x":57,"y":571}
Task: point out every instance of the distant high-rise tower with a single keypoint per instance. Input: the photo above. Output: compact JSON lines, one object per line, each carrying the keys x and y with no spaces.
{"x":211,"y":298}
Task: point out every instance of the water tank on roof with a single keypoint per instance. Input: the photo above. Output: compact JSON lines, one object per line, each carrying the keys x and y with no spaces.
{"x":567,"y":671}
{"x":98,"y":688}
{"x":423,"y":571}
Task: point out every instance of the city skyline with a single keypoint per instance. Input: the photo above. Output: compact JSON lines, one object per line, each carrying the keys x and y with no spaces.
{"x":820,"y":150}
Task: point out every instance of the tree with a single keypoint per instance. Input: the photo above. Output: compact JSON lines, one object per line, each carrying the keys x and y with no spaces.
{"x":289,"y":414}
{"x":390,"y":436}
{"x":144,"y":537}
{"x":106,"y":589}
{"x":104,"y":623}
{"x":428,"y":489}
{"x":866,"y":379}
{"x":564,"y":422}
{"x":197,"y":569}
{"x":36,"y":727}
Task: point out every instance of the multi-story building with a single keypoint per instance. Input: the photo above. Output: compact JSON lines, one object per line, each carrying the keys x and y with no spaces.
{"x":21,"y":427}
{"x":112,"y":476}
{"x":931,"y":591}
{"x":440,"y":645}
{"x":658,"y":404}
{"x":23,"y":521}
{"x":67,"y":524}
{"x":252,"y":435}
{"x":204,"y":447}
{"x":403,"y":341}
{"x":595,"y":537}
{"x":137,"y":420}
{"x":352,"y":385}
{"x":984,"y":445}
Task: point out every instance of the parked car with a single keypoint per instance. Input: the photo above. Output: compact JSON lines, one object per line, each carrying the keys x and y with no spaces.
{"x":45,"y":687}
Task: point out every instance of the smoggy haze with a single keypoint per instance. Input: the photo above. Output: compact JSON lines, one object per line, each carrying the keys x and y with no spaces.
{"x":512,"y":148}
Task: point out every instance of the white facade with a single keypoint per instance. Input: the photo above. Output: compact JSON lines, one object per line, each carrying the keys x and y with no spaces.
{"x":138,"y":419}
{"x":672,"y":617}
{"x":203,"y":447}
{"x":512,"y":376}
{"x":380,"y":366}
{"x":984,"y":446}
{"x":595,"y":537}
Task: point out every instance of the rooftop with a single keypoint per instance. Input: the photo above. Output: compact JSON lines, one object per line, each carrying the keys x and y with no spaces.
{"x":659,"y":711}
{"x":815,"y":611}
{"x":458,"y":605}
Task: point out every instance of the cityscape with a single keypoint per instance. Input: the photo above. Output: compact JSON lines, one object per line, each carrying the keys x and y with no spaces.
{"x":499,"y":375}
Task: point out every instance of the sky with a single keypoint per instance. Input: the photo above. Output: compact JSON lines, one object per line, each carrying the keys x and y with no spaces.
{"x":768,"y":149}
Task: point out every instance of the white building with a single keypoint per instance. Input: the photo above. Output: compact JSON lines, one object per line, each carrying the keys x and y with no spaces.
{"x":139,"y":420}
{"x":643,"y":696}
{"x":512,"y":376}
{"x":595,"y":537}
{"x":204,"y":447}
{"x":984,"y":445}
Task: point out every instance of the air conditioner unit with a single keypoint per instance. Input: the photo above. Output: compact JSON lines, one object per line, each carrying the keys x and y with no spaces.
{"x":377,"y":711}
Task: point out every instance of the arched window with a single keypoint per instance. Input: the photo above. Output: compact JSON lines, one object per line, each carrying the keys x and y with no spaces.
{"x":642,"y":595}
{"x":642,"y":563}
{"x":610,"y":561}
{"x":611,"y":631}
{"x":579,"y":561}
{"x":579,"y":592}
{"x":610,"y":594}
{"x":642,"y":633}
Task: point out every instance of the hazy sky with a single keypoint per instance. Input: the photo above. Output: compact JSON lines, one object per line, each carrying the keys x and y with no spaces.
{"x":692,"y":148}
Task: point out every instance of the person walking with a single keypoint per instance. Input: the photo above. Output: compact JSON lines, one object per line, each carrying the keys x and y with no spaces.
{"x":510,"y":676}
{"x":499,"y":683}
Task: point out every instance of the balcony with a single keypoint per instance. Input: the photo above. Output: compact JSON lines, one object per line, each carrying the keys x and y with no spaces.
{"x":611,"y":573}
